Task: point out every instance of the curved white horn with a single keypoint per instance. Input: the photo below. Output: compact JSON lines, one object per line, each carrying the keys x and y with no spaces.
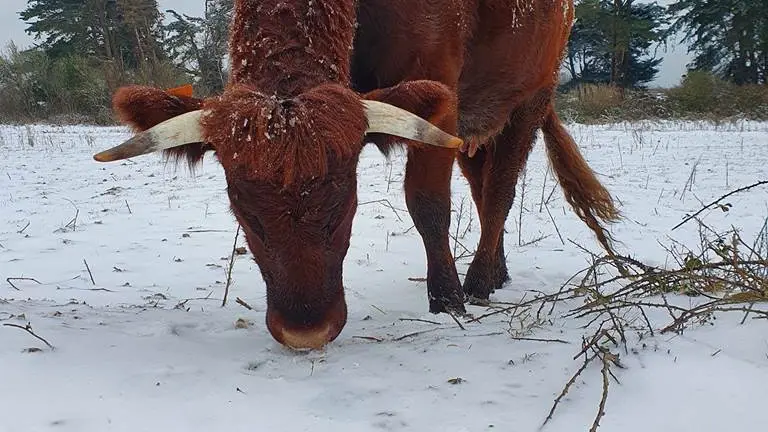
{"x":391,"y":120}
{"x":175,"y":132}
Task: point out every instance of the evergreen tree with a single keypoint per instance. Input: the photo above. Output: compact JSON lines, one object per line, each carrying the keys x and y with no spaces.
{"x":65,"y":27}
{"x":199,"y":44}
{"x":728,"y":37}
{"x":124,"y":32}
{"x":140,"y":31}
{"x":87,"y":49}
{"x":614,"y":41}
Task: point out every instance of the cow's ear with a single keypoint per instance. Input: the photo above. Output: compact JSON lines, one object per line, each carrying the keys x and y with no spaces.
{"x":429,"y":100}
{"x":143,"y":107}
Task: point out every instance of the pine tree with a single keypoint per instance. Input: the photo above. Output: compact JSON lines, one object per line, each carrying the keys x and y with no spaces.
{"x":613,"y":42}
{"x":87,"y":49}
{"x":199,"y":44}
{"x":126,"y":33}
{"x":728,"y":37}
{"x":64,"y":26}
{"x":140,"y":30}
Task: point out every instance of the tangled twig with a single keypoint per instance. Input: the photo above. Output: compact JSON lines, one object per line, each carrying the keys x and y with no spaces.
{"x":592,"y":351}
{"x":725,"y":274}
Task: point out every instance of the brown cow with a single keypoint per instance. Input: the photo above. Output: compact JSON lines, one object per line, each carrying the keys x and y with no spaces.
{"x":312,"y":81}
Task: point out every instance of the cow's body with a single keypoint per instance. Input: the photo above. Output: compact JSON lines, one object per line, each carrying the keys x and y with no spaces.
{"x":501,"y":58}
{"x":496,"y":54}
{"x":289,"y":129}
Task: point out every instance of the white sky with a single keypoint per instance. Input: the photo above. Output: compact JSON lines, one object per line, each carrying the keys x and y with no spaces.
{"x":12,"y":28}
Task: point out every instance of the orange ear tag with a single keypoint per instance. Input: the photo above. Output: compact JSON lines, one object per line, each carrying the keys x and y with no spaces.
{"x":181,"y":91}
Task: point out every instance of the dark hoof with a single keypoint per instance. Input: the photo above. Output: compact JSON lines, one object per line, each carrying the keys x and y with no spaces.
{"x":444,"y":291}
{"x":453,"y":305}
{"x":474,"y":301}
{"x":483,"y":280}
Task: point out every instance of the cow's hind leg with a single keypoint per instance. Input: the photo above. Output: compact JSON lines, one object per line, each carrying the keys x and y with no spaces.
{"x":493,"y":173}
{"x":473,"y":168}
{"x":428,"y":196}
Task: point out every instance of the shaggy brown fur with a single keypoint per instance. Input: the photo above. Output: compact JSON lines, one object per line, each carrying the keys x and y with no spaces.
{"x":287,"y":47}
{"x":289,"y":129}
{"x":291,"y":140}
{"x":143,"y":107}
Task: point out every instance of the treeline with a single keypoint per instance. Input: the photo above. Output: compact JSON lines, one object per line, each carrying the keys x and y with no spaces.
{"x":86,"y":49}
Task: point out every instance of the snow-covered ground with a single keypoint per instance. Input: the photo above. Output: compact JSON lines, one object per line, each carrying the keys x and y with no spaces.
{"x":147,"y":346}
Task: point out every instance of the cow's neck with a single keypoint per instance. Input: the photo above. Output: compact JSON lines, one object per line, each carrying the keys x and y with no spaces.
{"x":285,"y":47}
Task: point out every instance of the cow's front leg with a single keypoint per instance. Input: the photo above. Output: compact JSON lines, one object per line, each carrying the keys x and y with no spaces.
{"x":428,"y":196}
{"x":493,"y":173}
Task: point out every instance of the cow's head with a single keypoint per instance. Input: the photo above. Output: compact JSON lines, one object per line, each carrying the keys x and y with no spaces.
{"x":290,"y":166}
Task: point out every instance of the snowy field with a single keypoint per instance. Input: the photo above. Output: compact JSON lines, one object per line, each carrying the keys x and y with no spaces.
{"x":143,"y":344}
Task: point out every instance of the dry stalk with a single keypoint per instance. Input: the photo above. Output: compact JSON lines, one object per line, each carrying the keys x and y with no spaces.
{"x":456,"y":320}
{"x":10,"y":281}
{"x":28,"y":329}
{"x":459,"y":219}
{"x":459,"y":234}
{"x":508,"y":307}
{"x":691,"y":179}
{"x":420,"y":320}
{"x":369,"y":338}
{"x":72,"y":223}
{"x":409,"y":335}
{"x":601,"y":410}
{"x":386,"y":203}
{"x":543,"y":188}
{"x":522,"y":207}
{"x":389,"y":176}
{"x":183,"y":304}
{"x":242,"y":303}
{"x":21,"y":231}
{"x":89,"y":271}
{"x":560,"y":236}
{"x":717,"y":201}
{"x":566,"y":389}
{"x":536,"y":240}
{"x":593,"y":349}
{"x":540,"y":340}
{"x":230,"y":267}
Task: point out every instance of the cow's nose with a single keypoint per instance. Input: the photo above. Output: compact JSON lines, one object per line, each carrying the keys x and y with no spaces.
{"x":303,"y":336}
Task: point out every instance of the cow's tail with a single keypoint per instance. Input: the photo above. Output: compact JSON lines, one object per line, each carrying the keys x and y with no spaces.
{"x":587,"y":196}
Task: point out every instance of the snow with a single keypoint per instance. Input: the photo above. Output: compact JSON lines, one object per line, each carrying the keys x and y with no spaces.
{"x":148,"y":347}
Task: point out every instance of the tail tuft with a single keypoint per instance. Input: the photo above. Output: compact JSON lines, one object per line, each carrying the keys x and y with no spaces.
{"x":583,"y":191}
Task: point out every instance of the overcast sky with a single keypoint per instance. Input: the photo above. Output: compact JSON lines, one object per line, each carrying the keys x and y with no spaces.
{"x":12,"y":28}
